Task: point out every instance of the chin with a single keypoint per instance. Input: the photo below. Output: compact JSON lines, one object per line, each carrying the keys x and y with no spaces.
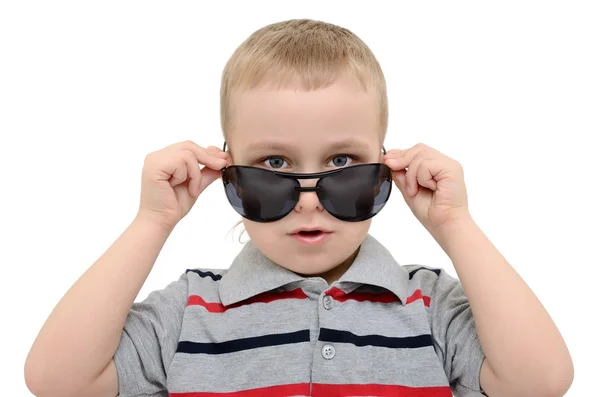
{"x":309,"y":264}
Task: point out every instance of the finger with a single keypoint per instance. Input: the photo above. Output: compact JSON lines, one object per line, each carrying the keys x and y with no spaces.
{"x":217,"y":152}
{"x":193,"y":173}
{"x":394,"y":152}
{"x":208,"y":176}
{"x":398,"y":159}
{"x":177,"y":169}
{"x":411,"y":175}
{"x":229,"y":159}
{"x":226,"y":155}
{"x":425,"y":174}
{"x":400,"y":181}
{"x":203,"y":156}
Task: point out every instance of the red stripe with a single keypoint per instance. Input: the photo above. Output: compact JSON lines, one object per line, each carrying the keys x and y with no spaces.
{"x":267,"y":297}
{"x":300,"y":389}
{"x":323,"y":390}
{"x":326,"y":390}
{"x":385,"y":297}
{"x":418,"y":295}
{"x":195,"y":300}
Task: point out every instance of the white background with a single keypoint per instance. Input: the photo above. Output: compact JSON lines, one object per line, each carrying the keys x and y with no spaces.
{"x":510,"y":89}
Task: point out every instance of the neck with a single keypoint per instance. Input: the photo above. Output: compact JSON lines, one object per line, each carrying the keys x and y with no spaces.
{"x":338,"y":271}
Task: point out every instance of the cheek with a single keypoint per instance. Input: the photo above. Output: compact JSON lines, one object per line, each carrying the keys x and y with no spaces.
{"x":258,"y":231}
{"x":357,"y":230}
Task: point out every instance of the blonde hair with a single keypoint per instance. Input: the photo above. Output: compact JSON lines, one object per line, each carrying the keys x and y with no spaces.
{"x":312,"y":52}
{"x":240,"y":222}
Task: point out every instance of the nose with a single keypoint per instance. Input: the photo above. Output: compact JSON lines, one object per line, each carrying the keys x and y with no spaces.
{"x":308,"y":201}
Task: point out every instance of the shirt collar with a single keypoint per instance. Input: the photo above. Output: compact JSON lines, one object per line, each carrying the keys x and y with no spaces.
{"x":252,"y":273}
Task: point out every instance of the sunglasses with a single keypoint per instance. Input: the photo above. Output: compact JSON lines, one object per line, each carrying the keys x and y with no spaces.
{"x":352,"y":194}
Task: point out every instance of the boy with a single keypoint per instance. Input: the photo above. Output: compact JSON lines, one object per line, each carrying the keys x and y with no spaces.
{"x":312,"y":305}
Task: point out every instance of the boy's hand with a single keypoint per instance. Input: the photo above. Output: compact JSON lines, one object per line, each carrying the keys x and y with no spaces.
{"x":172,"y":180}
{"x":433,"y":186}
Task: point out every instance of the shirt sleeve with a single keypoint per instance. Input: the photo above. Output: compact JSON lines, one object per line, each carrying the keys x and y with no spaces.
{"x":149,"y":341}
{"x":455,"y":336}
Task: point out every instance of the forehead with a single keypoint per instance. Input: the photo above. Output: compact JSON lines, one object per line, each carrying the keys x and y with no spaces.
{"x":308,"y":120}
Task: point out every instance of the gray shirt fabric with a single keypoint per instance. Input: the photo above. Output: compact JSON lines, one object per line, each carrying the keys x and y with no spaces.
{"x":258,"y":329}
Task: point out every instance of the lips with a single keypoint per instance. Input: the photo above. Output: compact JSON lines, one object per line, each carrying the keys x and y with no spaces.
{"x":310,"y":231}
{"x":311,"y":235}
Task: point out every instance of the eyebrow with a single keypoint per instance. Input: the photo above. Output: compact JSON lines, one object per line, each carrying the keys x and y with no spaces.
{"x":278,"y":146}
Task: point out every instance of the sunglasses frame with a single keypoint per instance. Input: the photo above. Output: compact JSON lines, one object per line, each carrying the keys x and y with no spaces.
{"x":294,"y":175}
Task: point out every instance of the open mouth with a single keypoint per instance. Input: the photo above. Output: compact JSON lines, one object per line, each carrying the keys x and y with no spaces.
{"x":310,"y":232}
{"x":311,"y":237}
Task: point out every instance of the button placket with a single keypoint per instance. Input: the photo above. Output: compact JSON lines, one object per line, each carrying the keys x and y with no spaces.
{"x":328,"y":350}
{"x":328,"y":302}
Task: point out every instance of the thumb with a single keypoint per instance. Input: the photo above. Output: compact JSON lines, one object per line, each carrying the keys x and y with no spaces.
{"x":207,"y":176}
{"x":400,"y":181}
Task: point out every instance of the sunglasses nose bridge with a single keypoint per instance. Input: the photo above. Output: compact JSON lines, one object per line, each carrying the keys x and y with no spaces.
{"x":308,"y":198}
{"x":307,"y":189}
{"x":307,"y":183}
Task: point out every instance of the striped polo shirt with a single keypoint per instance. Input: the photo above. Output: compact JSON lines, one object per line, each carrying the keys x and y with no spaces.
{"x":258,"y":329}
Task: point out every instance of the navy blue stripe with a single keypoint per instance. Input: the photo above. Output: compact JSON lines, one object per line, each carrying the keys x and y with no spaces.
{"x":215,"y":277}
{"x":237,"y":345}
{"x":412,"y":273}
{"x":410,"y":342}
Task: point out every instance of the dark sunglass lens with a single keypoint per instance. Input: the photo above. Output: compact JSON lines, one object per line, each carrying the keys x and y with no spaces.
{"x":356,"y":193}
{"x":259,"y":194}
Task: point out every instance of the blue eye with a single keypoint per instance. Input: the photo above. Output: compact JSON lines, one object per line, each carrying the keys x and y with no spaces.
{"x":341,"y":161}
{"x":275,"y":162}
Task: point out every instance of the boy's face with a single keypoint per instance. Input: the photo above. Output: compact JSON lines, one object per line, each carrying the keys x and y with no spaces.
{"x":298,"y":131}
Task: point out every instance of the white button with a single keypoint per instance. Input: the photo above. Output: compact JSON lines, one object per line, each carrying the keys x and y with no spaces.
{"x":328,"y":352}
{"x":328,"y":302}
